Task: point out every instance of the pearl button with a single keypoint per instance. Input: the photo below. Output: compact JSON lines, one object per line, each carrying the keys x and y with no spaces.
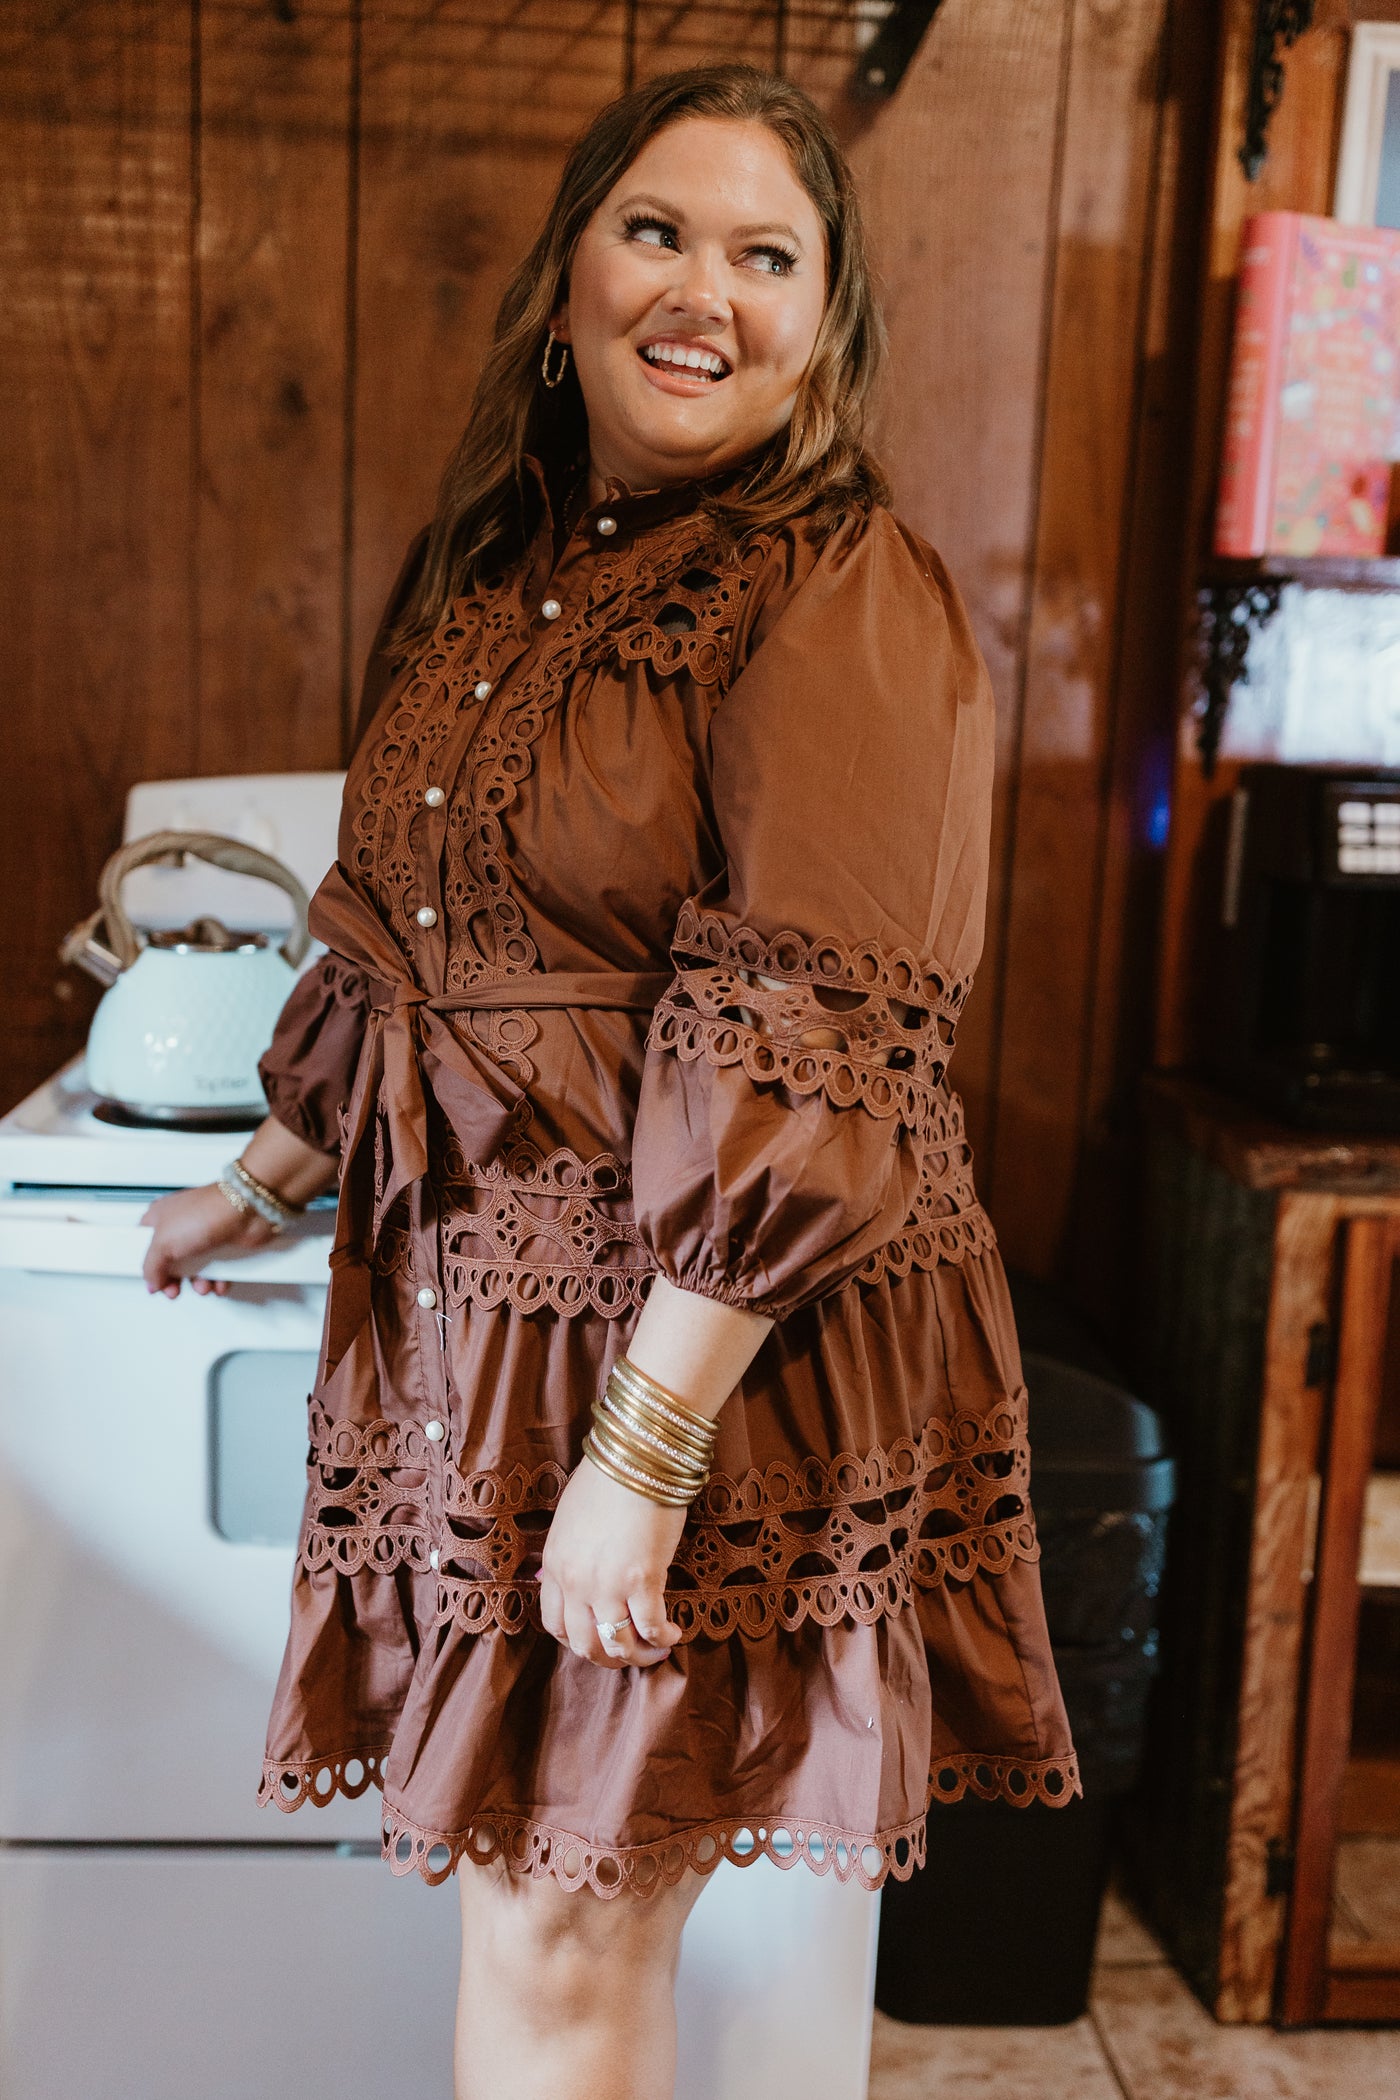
{"x":427,"y":1297}
{"x":434,"y":1432}
{"x":434,"y":797}
{"x":435,"y":1560}
{"x":482,"y":689}
{"x":607,"y":526}
{"x":426,"y":916}
{"x":551,"y":609}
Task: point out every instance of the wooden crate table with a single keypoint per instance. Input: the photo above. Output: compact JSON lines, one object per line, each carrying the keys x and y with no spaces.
{"x":1273,"y":1332}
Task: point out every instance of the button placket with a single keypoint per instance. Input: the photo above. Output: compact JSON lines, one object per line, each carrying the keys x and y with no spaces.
{"x":433,"y":1384}
{"x":450,"y":763}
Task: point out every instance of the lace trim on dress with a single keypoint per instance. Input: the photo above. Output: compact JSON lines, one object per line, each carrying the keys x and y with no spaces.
{"x":823,"y":1540}
{"x":541,"y":1232}
{"x":350,"y":1774}
{"x":555,"y":1233}
{"x":489,"y":935}
{"x":543,"y":1850}
{"x":863,"y":1024}
{"x":458,"y":675}
{"x":946,"y":1222}
{"x":694,"y":630}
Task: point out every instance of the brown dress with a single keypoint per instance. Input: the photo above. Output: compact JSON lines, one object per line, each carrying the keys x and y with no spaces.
{"x":538,"y":1043}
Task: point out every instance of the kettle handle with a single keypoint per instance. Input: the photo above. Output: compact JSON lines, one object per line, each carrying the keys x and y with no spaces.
{"x":107,"y":960}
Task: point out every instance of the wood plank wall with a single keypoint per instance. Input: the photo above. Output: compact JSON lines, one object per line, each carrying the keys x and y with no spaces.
{"x":250,"y":251}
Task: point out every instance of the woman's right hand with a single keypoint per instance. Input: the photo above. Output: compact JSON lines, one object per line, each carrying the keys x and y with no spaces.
{"x":191,"y":1227}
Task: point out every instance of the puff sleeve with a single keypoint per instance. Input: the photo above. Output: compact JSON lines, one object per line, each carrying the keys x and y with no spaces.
{"x":793,"y":1078}
{"x":308,"y":1069}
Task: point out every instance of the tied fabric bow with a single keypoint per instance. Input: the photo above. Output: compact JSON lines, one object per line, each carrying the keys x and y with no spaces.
{"x":409,"y":1042}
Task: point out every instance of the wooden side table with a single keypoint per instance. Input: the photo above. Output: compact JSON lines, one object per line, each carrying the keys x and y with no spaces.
{"x":1273,"y":1345}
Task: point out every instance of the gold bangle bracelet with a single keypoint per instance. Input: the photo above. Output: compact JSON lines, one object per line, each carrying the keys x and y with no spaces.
{"x":635,"y":1422}
{"x":645,"y":1437}
{"x":637,"y":1463}
{"x":616,"y":1400}
{"x":660,"y":1397}
{"x":629,"y":1477}
{"x":619,"y":1405}
{"x":621,"y":1440}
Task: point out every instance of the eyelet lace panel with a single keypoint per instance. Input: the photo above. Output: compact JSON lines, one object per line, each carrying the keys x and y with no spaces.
{"x":892,"y":1015}
{"x":849,"y":1538}
{"x":946,"y":1222}
{"x":693,"y":631}
{"x":349,"y":1775}
{"x":627,"y":595}
{"x":541,"y":1232}
{"x":469,"y":645}
{"x":368,"y":1500}
{"x":543,"y":1851}
{"x":489,"y":937}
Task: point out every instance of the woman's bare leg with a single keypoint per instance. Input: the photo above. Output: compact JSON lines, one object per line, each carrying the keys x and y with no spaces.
{"x":566,"y":1996}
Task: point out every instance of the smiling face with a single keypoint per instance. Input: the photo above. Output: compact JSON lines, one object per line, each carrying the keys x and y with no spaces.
{"x":695,"y":297}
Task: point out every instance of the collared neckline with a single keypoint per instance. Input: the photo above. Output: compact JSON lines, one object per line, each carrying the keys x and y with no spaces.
{"x":634,"y":509}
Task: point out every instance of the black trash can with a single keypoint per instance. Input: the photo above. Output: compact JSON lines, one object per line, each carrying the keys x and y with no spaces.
{"x":998,"y":1929}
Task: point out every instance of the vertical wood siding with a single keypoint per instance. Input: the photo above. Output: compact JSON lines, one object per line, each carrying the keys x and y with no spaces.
{"x":250,"y":252}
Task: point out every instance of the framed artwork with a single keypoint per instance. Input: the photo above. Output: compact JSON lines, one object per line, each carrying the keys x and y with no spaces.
{"x":1368,"y":166}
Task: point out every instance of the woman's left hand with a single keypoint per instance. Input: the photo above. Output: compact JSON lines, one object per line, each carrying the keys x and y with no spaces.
{"x":606,"y":1560}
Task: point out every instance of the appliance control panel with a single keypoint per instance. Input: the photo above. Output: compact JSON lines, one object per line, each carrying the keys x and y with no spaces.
{"x":1361,"y":831}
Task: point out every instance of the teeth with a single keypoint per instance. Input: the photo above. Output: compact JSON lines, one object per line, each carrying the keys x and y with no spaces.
{"x":692,"y":360}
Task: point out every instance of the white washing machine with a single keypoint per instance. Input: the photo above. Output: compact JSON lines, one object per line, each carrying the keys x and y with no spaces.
{"x":160,"y":1934}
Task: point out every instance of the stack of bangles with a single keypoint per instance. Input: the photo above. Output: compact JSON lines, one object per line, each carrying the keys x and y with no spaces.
{"x":246,"y":1194}
{"x":646,"y":1439}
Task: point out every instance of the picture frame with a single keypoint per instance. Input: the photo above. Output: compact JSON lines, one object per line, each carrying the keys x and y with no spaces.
{"x":1367,"y":191}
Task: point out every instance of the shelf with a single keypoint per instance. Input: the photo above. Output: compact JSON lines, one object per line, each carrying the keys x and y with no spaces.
{"x":1319,"y":572}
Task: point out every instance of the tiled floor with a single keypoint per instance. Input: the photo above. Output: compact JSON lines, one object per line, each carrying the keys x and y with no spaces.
{"x":1145,"y":2037}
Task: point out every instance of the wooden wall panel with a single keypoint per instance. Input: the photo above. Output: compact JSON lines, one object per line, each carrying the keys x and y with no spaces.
{"x":467,"y":111}
{"x":94,"y":468}
{"x":273,"y":171}
{"x":1120,"y":1005}
{"x":958,"y":174}
{"x":1106,"y":189}
{"x":666,"y":34}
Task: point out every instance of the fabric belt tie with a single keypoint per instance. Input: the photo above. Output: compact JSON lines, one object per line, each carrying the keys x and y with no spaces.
{"x":409,"y":1044}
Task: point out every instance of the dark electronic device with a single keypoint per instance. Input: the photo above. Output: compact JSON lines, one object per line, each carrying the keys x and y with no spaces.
{"x":1302,"y":992}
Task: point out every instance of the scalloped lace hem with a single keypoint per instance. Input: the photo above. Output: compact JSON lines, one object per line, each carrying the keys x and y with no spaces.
{"x":542,"y":1850}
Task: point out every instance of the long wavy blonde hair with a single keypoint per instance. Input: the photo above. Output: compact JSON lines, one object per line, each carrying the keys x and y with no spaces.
{"x":819,"y":466}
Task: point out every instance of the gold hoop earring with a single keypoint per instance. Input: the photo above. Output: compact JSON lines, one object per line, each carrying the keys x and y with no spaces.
{"x":551,"y":342}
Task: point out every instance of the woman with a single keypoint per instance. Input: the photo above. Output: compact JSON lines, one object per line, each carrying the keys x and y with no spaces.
{"x":661,"y":879}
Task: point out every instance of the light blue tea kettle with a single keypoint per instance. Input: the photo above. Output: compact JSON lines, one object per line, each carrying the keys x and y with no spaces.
{"x":187,"y":1014}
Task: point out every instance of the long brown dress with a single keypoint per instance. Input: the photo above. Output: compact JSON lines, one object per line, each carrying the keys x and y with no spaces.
{"x":539,"y":1044}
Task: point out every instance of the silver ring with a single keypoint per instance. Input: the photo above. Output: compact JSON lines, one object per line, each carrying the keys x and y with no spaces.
{"x":609,"y":1629}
